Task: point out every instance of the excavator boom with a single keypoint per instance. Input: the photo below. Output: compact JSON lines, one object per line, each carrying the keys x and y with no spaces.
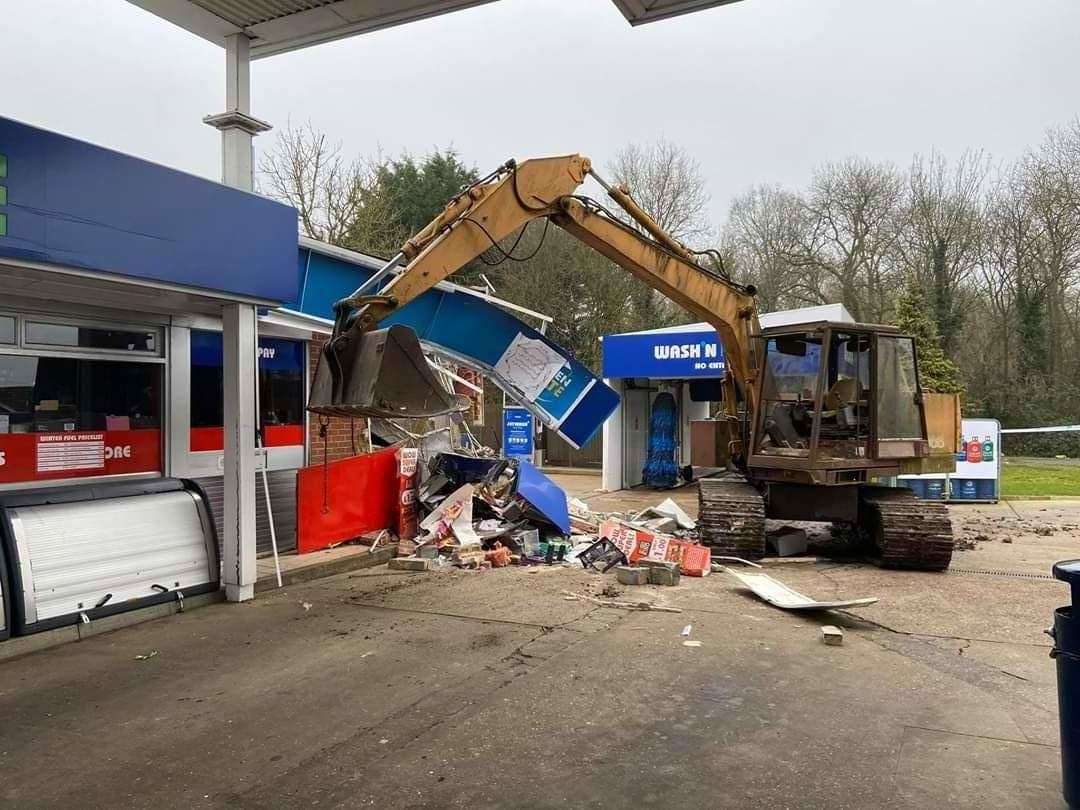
{"x":480,"y":218}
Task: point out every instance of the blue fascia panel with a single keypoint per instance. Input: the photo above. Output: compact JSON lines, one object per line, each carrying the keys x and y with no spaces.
{"x":674,"y":355}
{"x":78,"y":205}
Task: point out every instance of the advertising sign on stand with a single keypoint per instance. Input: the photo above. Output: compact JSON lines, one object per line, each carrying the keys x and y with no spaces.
{"x":978,"y":467}
{"x":518,"y":431}
{"x":977,"y":461}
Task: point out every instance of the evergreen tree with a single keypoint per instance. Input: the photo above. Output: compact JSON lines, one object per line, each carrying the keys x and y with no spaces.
{"x":936,"y":371}
{"x":420,"y":189}
{"x":1031,"y":309}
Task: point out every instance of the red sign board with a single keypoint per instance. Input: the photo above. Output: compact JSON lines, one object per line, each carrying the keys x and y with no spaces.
{"x":76,"y":454}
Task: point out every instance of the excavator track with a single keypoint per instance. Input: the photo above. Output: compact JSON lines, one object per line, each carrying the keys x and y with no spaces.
{"x":908,"y":532}
{"x":731,"y":516}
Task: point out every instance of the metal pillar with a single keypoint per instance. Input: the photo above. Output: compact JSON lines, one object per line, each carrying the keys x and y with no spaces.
{"x":238,"y":545}
{"x":238,"y":127}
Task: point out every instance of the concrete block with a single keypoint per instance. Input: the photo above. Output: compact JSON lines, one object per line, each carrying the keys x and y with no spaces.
{"x":409,"y":564}
{"x":787,"y":541}
{"x":832,"y":635}
{"x":667,"y":574}
{"x":631,"y":575}
{"x":428,"y":552}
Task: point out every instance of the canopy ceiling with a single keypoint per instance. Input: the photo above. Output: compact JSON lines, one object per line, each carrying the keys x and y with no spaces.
{"x":276,"y":26}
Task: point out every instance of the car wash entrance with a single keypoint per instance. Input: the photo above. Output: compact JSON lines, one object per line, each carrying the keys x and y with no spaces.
{"x":666,"y":379}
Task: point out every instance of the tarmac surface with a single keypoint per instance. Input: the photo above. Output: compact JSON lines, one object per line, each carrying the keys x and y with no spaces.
{"x":461,"y":689}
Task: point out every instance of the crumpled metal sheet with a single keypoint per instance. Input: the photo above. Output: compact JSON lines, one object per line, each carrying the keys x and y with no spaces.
{"x":543,"y":495}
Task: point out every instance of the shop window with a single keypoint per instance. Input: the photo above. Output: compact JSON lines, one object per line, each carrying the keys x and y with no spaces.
{"x":64,"y":417}
{"x":845,"y":416}
{"x":7,"y":329}
{"x":792,"y":364}
{"x":44,"y":333}
{"x":281,"y":391}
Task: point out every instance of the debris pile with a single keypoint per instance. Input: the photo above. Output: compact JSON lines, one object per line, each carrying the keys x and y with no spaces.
{"x":481,"y":512}
{"x":477,"y":512}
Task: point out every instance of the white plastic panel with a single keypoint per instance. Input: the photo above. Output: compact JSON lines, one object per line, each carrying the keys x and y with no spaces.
{"x":72,"y":554}
{"x":777,"y":593}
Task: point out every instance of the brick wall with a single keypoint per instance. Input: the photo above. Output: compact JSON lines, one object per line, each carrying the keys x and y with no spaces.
{"x":345,"y":437}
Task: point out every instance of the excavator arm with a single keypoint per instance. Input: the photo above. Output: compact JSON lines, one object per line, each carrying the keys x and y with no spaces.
{"x":492,"y":210}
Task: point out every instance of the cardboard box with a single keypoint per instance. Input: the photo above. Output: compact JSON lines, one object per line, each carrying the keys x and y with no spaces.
{"x":693,"y":560}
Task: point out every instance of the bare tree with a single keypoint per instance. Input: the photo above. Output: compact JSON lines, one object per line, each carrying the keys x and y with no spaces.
{"x":1003,"y":251}
{"x":667,"y":182}
{"x":1051,"y":180}
{"x":338,"y":201}
{"x":853,"y":209}
{"x":766,"y":228}
{"x":939,"y":241}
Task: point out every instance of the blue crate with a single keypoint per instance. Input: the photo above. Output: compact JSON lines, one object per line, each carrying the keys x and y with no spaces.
{"x":964,"y":489}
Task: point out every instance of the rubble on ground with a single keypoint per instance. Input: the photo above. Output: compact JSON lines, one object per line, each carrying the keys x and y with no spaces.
{"x":477,"y":512}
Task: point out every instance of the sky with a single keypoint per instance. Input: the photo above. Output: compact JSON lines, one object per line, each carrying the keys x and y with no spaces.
{"x":761,"y":91}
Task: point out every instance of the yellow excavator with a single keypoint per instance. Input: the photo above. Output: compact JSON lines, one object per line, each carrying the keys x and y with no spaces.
{"x":812,"y":415}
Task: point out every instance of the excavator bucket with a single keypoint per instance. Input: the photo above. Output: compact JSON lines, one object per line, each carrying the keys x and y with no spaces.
{"x":381,"y":373}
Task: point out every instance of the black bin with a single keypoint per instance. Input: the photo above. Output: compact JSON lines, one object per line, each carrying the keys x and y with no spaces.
{"x":1066,"y":652}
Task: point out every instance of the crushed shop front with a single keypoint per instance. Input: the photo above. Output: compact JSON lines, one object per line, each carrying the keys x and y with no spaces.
{"x":127,"y":293}
{"x":119,"y":280}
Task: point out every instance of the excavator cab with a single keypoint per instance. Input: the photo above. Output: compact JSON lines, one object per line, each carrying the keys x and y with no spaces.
{"x":840,"y":402}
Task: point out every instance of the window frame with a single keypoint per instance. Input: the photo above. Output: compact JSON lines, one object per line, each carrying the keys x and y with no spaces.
{"x":919,"y":404}
{"x":303,"y":371}
{"x":23,"y":322}
{"x":22,"y":349}
{"x":15,"y":329}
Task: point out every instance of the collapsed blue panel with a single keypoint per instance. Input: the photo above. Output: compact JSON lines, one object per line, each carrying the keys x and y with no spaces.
{"x":575,"y":402}
{"x":74,"y":204}
{"x":585,"y":421}
{"x":544,"y":495}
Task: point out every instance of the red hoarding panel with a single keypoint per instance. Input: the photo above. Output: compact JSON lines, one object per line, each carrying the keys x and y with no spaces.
{"x":204,"y":439}
{"x":345,"y":499}
{"x":77,"y":453}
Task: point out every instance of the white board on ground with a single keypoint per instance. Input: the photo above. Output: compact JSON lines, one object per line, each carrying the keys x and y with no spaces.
{"x":780,"y":595}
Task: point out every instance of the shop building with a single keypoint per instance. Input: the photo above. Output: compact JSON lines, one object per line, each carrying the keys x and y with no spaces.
{"x":108,"y":266}
{"x":114,"y":339}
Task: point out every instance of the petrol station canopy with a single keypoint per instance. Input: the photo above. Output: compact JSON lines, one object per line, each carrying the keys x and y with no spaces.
{"x":277,"y":26}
